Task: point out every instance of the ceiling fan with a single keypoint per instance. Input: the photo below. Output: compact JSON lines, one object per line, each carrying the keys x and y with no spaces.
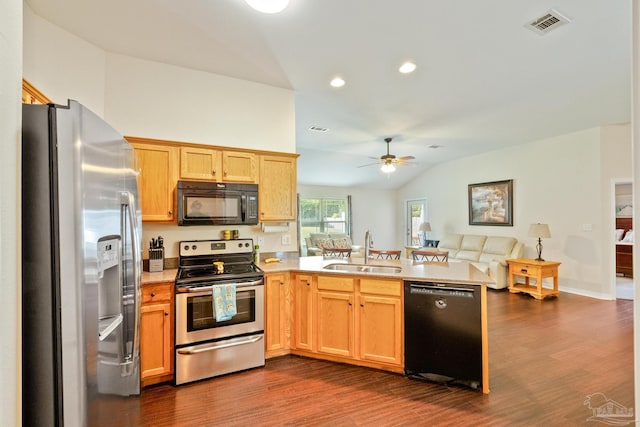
{"x":389,"y":161}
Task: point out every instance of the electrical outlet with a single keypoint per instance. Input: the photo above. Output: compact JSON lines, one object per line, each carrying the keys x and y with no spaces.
{"x":261,"y":241}
{"x":286,"y":239}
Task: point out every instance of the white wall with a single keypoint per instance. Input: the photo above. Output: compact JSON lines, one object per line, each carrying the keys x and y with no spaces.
{"x":559,"y":181}
{"x":61,"y":65}
{"x":371,"y":209}
{"x":155,"y":100}
{"x":10,"y":262}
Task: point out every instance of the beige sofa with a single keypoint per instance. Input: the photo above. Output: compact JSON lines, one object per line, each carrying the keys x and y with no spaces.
{"x":487,"y":253}
{"x":316,"y":241}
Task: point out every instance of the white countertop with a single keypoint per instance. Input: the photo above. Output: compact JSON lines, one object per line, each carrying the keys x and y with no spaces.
{"x":448,"y":272}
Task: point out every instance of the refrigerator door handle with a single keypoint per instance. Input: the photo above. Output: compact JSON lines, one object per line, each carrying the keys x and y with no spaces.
{"x":127,"y":203}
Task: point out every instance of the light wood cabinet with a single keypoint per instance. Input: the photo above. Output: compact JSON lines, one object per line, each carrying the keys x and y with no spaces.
{"x":380,"y":321}
{"x":200,"y":163}
{"x":156,"y":333}
{"x":157,"y":180}
{"x":278,"y":314}
{"x":217,"y":165}
{"x":336,"y":318}
{"x":351,"y":319}
{"x":277,"y":189}
{"x":31,"y":95}
{"x":239,"y":167}
{"x":303,"y":312}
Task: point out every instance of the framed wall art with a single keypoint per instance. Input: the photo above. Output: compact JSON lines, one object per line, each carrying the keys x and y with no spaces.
{"x":491,"y":203}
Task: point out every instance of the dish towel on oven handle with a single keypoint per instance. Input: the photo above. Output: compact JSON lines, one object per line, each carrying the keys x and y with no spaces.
{"x":224,"y":301}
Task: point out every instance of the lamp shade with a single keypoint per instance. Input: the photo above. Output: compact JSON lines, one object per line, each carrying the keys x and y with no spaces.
{"x":425,"y":226}
{"x":539,"y":230}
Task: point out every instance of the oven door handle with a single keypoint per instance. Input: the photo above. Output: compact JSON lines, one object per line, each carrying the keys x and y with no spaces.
{"x":217,"y":346}
{"x":194,"y":289}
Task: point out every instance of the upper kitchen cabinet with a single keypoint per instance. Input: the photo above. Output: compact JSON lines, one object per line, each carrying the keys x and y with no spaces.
{"x":217,"y":165}
{"x":277,"y":190}
{"x":239,"y":167}
{"x":31,"y":95}
{"x":200,"y":163}
{"x":158,"y":175}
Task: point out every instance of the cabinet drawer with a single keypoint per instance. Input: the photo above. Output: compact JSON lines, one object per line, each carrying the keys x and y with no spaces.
{"x":380,"y":287}
{"x":527,"y":270}
{"x":334,"y":283}
{"x":155,"y":293}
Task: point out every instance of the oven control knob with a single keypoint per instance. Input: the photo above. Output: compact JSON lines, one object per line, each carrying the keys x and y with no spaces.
{"x":186,"y":247}
{"x":239,"y":245}
{"x":246,"y":245}
{"x":193,"y":247}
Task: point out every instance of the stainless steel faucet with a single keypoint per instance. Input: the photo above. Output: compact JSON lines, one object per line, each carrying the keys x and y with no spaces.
{"x":368,"y":242}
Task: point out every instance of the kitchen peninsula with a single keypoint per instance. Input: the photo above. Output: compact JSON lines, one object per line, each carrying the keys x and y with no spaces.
{"x":354,"y":317}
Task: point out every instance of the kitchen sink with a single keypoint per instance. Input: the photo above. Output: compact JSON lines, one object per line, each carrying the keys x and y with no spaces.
{"x":363,"y":268}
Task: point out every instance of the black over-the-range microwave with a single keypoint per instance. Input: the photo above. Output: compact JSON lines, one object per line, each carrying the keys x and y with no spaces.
{"x":217,"y":203}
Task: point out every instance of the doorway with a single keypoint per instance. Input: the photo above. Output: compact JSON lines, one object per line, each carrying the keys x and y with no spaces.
{"x":624,"y":239}
{"x":416,"y":215}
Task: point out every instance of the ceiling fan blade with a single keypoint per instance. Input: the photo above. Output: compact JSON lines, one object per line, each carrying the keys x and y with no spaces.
{"x":403,"y":163}
{"x":369,"y":164}
{"x":406,"y":158}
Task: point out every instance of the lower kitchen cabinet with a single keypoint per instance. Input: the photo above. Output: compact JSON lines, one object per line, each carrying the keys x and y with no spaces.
{"x":380,"y":320}
{"x":351,"y":319}
{"x":156,"y":333}
{"x":303,"y":312}
{"x":278,"y":314}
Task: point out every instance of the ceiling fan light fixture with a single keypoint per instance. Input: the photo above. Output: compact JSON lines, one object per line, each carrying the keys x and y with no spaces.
{"x":387,"y":168}
{"x":337,"y":82}
{"x":268,"y":6}
{"x":407,"y":67}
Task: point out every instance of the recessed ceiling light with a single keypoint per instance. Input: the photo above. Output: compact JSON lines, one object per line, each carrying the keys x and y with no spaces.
{"x":268,"y":6}
{"x":337,"y":82}
{"x":407,"y":67}
{"x":318,"y":129}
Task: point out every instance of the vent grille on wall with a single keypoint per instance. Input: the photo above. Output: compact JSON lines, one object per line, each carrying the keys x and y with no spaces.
{"x":549,"y":21}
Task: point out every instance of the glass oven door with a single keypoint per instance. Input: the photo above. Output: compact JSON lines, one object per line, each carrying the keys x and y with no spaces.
{"x":195,"y":321}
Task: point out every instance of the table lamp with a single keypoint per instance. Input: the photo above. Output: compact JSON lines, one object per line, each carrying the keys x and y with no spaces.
{"x":425,"y":227}
{"x":539,"y":231}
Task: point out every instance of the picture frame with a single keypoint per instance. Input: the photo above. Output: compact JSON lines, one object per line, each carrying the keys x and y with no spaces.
{"x":491,"y":203}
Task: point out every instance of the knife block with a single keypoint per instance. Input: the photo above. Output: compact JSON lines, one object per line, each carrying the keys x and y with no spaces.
{"x":156,"y":260}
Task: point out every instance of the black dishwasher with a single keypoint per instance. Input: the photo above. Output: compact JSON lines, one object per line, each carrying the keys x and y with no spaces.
{"x":443,"y":332}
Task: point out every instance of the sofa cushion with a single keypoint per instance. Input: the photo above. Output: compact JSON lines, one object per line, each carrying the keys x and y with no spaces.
{"x":471,"y":247}
{"x":451,"y":243}
{"x":497,"y":248}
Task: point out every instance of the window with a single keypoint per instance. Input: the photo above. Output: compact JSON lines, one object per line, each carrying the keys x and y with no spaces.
{"x":416,"y":215}
{"x":323,"y":215}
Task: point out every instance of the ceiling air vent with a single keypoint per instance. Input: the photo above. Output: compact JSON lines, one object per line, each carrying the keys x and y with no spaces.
{"x":549,"y":21}
{"x":318,"y":129}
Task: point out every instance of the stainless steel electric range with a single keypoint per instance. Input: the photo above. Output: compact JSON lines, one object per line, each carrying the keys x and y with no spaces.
{"x":205,"y":347}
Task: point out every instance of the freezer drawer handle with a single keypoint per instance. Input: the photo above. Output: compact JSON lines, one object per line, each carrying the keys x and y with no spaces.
{"x":250,"y":340}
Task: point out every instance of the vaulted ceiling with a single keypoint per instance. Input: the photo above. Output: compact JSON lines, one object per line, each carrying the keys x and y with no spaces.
{"x":483,"y":80}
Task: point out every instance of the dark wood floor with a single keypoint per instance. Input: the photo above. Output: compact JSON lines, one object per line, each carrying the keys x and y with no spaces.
{"x":546,"y":357}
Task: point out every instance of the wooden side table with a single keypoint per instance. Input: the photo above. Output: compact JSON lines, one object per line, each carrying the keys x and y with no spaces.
{"x":530,"y":268}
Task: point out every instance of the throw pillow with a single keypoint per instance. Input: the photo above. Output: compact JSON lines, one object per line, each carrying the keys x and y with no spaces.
{"x":342,"y":243}
{"x":324,"y":243}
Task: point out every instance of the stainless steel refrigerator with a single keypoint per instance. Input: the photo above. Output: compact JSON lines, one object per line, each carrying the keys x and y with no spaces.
{"x":81,"y":270}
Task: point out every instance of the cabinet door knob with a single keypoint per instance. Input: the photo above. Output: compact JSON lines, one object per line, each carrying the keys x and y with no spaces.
{"x":170,"y":212}
{"x":153,"y":294}
{"x":361,"y":305}
{"x":281,"y":283}
{"x":166,"y":313}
